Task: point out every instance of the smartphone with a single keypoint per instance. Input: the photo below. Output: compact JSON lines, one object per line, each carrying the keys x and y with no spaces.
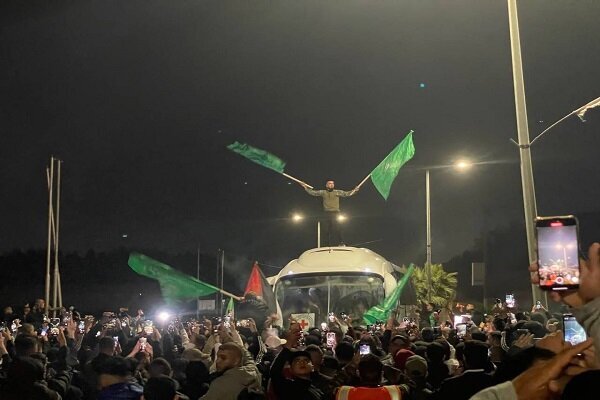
{"x":143,"y":342}
{"x":148,"y":327}
{"x":331,"y":317}
{"x":81,"y":326}
{"x":364,"y":349}
{"x":538,"y":305}
{"x":331,"y":341}
{"x":510,"y":301}
{"x":558,"y":252}
{"x":116,"y":340}
{"x":461,"y":330}
{"x":573,"y":332}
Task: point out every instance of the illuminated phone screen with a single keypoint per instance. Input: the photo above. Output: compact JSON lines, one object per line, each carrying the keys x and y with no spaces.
{"x":558,"y":253}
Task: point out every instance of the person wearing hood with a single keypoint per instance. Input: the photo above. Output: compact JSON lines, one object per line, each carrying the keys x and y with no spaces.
{"x":331,"y":210}
{"x":236,"y":373}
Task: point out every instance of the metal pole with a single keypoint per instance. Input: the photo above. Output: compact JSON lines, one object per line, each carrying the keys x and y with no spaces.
{"x":56,"y":297}
{"x":529,"y":203}
{"x":222,"y":274}
{"x":217,"y":301}
{"x":428,"y":210}
{"x":198,"y":277}
{"x":318,"y":233}
{"x":50,"y":176}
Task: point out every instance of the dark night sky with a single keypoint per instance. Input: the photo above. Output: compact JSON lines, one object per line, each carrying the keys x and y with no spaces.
{"x":139,"y":98}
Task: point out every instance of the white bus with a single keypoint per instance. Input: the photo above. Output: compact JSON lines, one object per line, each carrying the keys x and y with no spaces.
{"x":335,"y":279}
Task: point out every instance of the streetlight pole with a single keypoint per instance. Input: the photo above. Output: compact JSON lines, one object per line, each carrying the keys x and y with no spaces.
{"x":529,"y":203}
{"x":318,"y":233}
{"x":428,"y":208}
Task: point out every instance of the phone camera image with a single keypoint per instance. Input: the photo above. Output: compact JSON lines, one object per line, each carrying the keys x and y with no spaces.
{"x":331,"y":340}
{"x":364,"y":349}
{"x":574,"y":332}
{"x":558,"y":252}
{"x":510,"y":301}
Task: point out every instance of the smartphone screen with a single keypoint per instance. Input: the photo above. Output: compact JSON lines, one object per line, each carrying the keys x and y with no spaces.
{"x":364,"y":349}
{"x":510,"y":301}
{"x":331,"y":342}
{"x":574,"y":333}
{"x":558,"y":252}
{"x":461,"y":330}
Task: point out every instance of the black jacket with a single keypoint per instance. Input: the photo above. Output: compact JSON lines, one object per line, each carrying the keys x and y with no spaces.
{"x":466,"y":385}
{"x":290,"y":388}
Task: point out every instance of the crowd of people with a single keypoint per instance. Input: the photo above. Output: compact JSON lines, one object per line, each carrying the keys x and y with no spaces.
{"x":504,"y":354}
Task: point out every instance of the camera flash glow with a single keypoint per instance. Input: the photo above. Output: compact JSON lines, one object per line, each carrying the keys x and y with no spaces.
{"x":163,"y":316}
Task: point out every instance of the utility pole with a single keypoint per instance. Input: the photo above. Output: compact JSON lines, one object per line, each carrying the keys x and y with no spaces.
{"x":529,"y":202}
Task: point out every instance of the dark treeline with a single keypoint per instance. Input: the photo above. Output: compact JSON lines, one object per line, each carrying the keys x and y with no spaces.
{"x":98,"y":281}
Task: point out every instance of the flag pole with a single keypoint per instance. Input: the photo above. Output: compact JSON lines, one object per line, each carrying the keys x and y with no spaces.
{"x":297,"y":180}
{"x":226,"y":293}
{"x":363,"y":181}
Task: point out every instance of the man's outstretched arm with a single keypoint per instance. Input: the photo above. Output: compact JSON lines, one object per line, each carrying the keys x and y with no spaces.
{"x":313,"y":192}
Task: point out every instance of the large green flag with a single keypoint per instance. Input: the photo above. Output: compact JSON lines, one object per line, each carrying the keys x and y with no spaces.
{"x":381,"y":312}
{"x":173,"y":284}
{"x":259,"y":156}
{"x":384,"y":174}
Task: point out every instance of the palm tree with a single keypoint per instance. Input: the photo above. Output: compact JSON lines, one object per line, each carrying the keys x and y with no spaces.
{"x":443,"y":285}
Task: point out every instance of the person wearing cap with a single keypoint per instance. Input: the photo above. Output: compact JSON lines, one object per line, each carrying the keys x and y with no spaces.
{"x":474,"y":378}
{"x":415,"y":368}
{"x":298,"y":385}
{"x":331,"y":209}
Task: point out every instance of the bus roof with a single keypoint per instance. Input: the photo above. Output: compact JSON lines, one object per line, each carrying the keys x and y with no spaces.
{"x":331,"y":260}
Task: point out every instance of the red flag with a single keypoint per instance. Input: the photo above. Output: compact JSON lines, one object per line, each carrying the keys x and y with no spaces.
{"x":255,"y":281}
{"x":258,"y":284}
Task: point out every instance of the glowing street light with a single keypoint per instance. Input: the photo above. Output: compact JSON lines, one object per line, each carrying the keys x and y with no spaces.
{"x":463,"y":165}
{"x":341,"y":217}
{"x":297,"y":217}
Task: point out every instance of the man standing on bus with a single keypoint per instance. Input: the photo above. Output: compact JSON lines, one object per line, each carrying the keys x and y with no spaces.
{"x":331,"y":210}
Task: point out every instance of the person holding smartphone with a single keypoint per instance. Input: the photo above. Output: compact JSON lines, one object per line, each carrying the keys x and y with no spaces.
{"x":548,"y":378}
{"x":585,"y":300}
{"x":300,"y":385}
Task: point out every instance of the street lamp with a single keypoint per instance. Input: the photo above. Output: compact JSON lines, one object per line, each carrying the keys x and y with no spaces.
{"x":297,"y":217}
{"x":460,"y":165}
{"x":341,"y":218}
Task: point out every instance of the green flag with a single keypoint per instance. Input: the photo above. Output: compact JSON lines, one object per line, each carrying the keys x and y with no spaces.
{"x":230,"y":308}
{"x":259,"y":156}
{"x":384,"y":174}
{"x":381,"y":312}
{"x":173,"y":284}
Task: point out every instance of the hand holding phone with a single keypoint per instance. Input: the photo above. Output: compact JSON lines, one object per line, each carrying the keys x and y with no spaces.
{"x":558,"y":252}
{"x":573,"y":332}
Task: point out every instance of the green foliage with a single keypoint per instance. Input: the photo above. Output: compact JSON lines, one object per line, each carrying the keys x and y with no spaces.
{"x":443,"y":285}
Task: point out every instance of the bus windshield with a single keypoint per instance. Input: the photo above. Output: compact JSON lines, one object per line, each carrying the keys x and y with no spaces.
{"x":352,"y":294}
